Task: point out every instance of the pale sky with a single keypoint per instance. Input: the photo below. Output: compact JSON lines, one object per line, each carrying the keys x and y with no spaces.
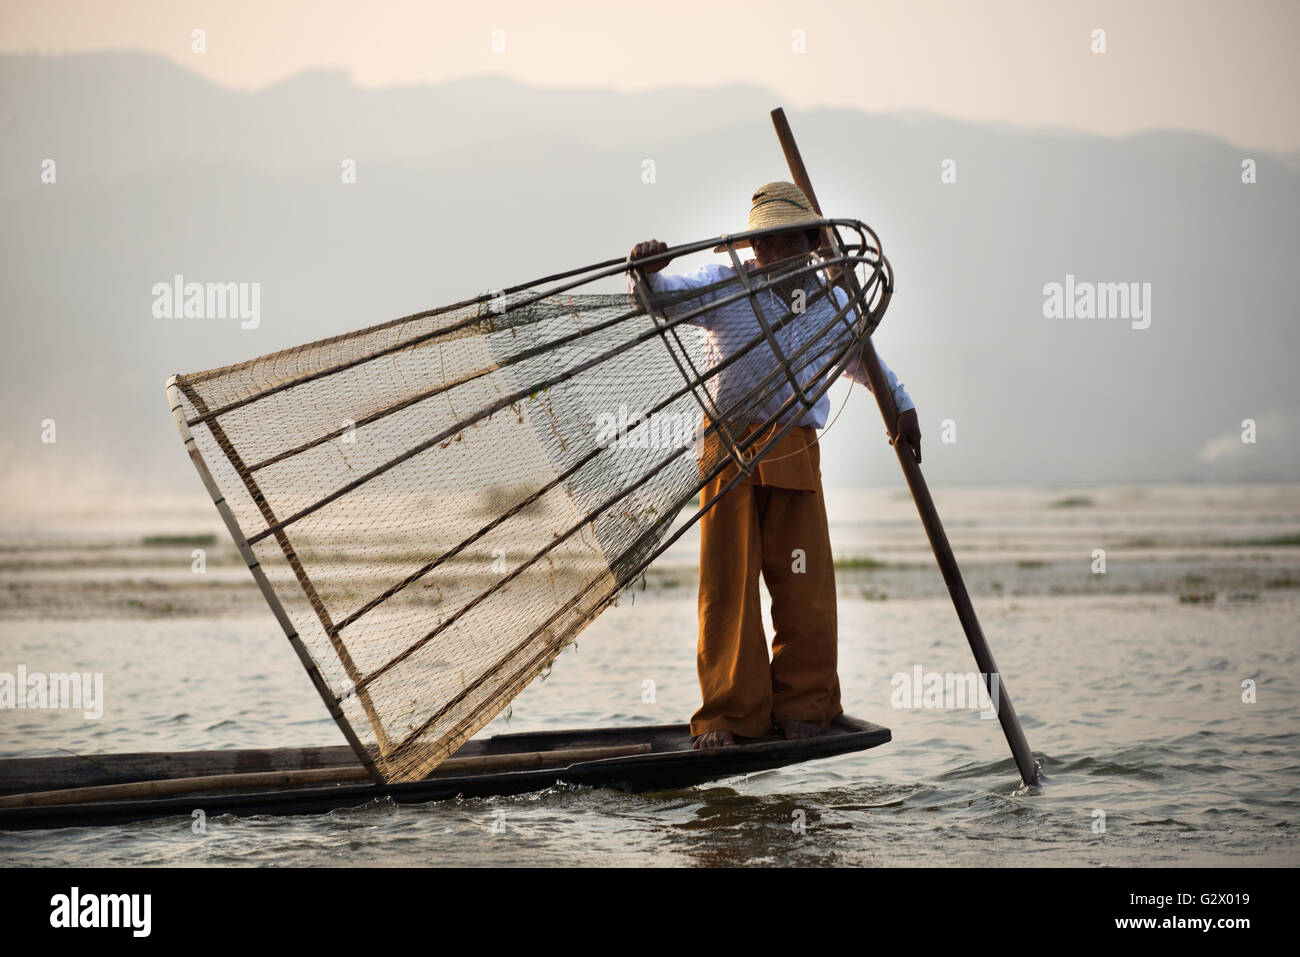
{"x":1226,"y":69}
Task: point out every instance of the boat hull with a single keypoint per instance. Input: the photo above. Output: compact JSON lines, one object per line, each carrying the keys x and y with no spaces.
{"x":670,"y":764}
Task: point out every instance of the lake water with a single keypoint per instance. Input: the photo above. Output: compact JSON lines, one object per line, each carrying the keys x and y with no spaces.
{"x":1129,"y":685}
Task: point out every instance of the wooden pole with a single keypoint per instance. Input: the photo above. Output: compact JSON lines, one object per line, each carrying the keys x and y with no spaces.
{"x":921,"y":494}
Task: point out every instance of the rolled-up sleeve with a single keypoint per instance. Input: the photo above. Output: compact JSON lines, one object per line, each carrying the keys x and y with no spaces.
{"x":858,"y":373}
{"x":707,"y":275}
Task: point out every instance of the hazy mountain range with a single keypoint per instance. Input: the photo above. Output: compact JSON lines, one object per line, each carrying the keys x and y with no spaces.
{"x":484,"y":183}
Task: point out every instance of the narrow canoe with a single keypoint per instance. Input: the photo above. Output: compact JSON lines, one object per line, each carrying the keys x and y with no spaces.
{"x":652,"y":758}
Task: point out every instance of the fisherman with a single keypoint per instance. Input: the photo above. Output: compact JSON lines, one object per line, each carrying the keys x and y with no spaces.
{"x":773,"y":522}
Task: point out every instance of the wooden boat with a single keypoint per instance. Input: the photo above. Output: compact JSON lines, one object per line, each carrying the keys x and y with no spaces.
{"x":119,"y":788}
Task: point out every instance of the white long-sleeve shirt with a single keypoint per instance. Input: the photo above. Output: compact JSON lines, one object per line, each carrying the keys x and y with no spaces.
{"x":732,"y":326}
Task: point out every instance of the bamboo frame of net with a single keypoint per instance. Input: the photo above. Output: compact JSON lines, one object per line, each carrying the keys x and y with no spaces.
{"x":859,"y":316}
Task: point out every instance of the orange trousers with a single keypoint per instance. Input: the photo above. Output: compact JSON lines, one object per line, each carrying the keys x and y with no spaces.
{"x":772,"y":523}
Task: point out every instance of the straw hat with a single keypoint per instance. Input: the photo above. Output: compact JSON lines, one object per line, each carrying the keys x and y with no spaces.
{"x":776,"y":204}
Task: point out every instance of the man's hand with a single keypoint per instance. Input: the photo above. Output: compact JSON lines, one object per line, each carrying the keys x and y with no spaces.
{"x":909,"y":431}
{"x":651,"y":248}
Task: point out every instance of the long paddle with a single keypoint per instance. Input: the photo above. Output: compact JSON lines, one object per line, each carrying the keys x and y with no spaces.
{"x":921,"y":494}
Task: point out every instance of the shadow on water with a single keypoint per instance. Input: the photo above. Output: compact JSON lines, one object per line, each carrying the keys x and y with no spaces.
{"x":725,"y":828}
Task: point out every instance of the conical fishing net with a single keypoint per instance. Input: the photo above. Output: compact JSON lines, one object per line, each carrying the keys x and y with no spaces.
{"x":434,"y":507}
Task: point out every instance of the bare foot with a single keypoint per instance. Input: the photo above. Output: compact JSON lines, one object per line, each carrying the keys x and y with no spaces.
{"x":800,"y":729}
{"x":714,"y":739}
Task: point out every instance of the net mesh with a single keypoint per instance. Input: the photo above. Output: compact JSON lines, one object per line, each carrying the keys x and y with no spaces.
{"x":439,"y":504}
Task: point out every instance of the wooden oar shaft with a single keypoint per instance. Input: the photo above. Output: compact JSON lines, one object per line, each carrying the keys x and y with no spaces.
{"x":924,"y":503}
{"x":306,"y":778}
